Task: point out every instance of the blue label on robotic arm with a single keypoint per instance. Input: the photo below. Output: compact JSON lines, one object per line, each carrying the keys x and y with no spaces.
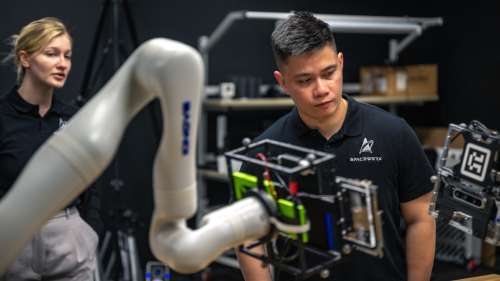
{"x":186,"y":126}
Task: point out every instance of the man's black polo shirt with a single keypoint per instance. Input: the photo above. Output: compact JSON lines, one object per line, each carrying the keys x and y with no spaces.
{"x":23,"y":131}
{"x":375,"y":145}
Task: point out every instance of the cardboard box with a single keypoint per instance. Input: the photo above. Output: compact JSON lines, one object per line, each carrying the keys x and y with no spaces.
{"x":383,"y":80}
{"x":488,"y":255}
{"x":422,"y":80}
{"x":432,"y":137}
{"x":411,"y":80}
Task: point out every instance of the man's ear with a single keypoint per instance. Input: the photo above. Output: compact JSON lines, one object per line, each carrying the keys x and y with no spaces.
{"x":280,"y":80}
{"x":340,"y":57}
{"x":24,"y":59}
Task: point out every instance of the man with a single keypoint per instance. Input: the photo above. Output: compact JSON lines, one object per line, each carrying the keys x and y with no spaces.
{"x":368,"y":142}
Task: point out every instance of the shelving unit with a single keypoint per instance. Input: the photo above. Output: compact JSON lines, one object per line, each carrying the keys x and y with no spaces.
{"x":213,"y":175}
{"x":273,"y":103}
{"x":227,"y":105}
{"x":410,"y":27}
{"x":224,"y":106}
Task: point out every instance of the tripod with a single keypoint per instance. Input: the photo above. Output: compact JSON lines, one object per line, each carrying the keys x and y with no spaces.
{"x":119,"y":246}
{"x":112,"y":45}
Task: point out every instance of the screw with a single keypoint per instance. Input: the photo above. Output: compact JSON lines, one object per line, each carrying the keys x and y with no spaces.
{"x":346,"y":249}
{"x":434,"y":179}
{"x":246,"y":141}
{"x":325,"y":273}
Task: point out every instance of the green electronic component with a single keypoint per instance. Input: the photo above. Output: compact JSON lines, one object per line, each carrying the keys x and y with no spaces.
{"x":242,"y":183}
{"x":288,"y":209}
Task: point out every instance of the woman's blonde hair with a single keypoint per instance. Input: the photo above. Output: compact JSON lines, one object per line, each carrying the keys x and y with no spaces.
{"x":32,"y":38}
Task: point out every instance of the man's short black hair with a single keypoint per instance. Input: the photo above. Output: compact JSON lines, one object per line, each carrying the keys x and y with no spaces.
{"x":302,"y":32}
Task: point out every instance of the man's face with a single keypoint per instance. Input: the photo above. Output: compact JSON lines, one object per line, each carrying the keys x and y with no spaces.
{"x":51,"y":65}
{"x":314,"y":81}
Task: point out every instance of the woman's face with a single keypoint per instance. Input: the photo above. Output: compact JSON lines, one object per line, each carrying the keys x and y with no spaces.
{"x":51,"y":65}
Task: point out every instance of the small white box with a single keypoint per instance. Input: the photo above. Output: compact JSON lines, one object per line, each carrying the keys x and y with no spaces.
{"x":227,"y":90}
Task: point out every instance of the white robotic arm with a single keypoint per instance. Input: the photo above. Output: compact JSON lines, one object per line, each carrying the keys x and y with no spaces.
{"x":77,"y":154}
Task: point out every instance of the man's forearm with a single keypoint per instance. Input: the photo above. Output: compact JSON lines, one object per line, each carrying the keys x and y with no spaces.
{"x":420,"y":249}
{"x":253,"y":269}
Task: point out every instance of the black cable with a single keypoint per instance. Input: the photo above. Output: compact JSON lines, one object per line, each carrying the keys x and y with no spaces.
{"x":280,"y":257}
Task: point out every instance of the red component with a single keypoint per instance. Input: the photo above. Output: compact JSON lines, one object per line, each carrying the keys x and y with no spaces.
{"x":293,"y":186}
{"x":471,"y":265}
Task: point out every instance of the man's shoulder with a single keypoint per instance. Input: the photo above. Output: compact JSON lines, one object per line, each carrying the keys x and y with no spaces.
{"x":378,"y":118}
{"x":278,"y":130}
{"x":375,"y":113}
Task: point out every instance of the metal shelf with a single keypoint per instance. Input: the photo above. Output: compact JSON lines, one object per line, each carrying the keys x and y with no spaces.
{"x":277,"y":103}
{"x":213,"y":175}
{"x":412,"y":27}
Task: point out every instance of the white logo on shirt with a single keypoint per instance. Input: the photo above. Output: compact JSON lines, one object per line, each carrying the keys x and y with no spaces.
{"x":62,"y":123}
{"x":366,"y":146}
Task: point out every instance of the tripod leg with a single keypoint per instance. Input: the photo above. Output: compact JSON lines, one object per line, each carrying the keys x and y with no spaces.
{"x":109,"y":266}
{"x":135,"y":41}
{"x":131,"y":23}
{"x":96,"y":78}
{"x":135,"y":266}
{"x":95,"y":43}
{"x":124,"y":254}
{"x":98,"y":269}
{"x":115,"y":34}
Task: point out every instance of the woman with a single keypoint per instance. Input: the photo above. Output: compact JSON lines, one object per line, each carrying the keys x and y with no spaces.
{"x":64,"y":248}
